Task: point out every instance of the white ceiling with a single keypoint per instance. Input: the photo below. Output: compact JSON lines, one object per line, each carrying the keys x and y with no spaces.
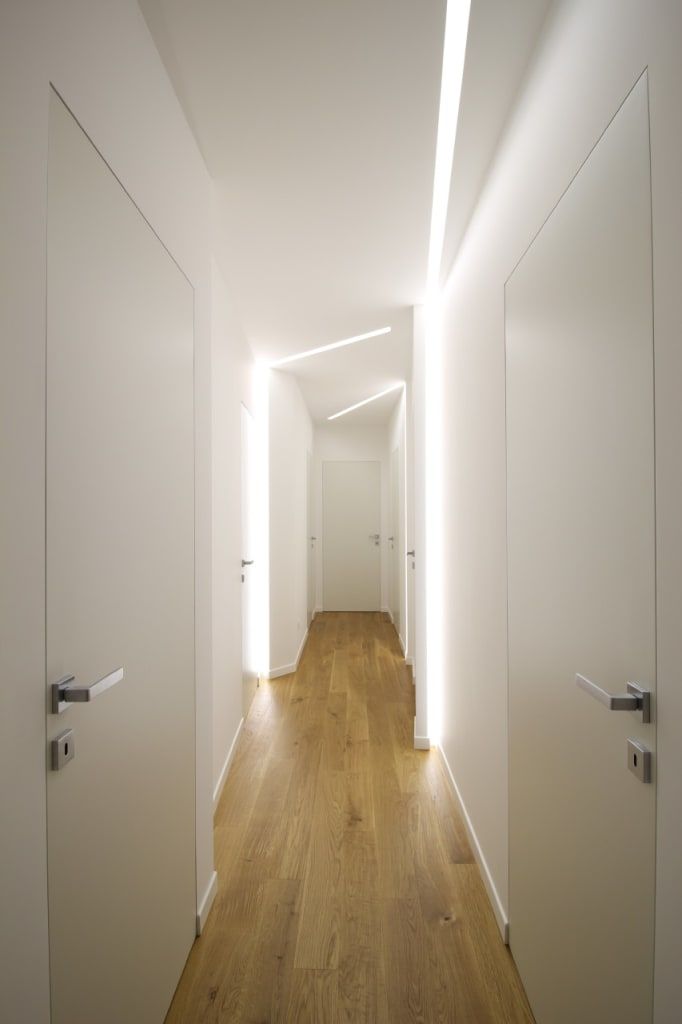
{"x":335,"y":380}
{"x":317,"y":120}
{"x":499,"y":43}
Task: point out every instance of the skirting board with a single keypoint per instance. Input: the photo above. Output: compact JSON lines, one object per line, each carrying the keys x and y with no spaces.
{"x":422,"y":743}
{"x":207,"y":902}
{"x":226,"y":767}
{"x":286,"y":670}
{"x":498,"y":909}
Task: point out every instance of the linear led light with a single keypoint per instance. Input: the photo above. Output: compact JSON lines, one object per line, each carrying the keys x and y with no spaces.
{"x":327,"y":348}
{"x":454,"y":51}
{"x":366,"y":401}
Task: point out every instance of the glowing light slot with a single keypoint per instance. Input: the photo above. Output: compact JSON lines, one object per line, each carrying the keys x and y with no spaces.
{"x":434,"y":522}
{"x":328,"y":348}
{"x":366,"y":401}
{"x":262,"y":402}
{"x":454,"y":50}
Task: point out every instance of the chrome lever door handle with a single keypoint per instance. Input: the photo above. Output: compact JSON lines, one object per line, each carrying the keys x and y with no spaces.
{"x":636,"y":699}
{"x":249,"y":562}
{"x":64,"y":692}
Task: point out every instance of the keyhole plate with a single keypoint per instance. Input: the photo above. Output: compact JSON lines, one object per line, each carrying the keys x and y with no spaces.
{"x":62,"y":749}
{"x":639,"y":760}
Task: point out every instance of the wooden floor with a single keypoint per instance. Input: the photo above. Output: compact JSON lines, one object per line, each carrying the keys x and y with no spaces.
{"x":347,"y":889}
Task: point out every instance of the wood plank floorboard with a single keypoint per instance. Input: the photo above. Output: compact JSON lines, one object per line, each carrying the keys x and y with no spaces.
{"x":347,"y":892}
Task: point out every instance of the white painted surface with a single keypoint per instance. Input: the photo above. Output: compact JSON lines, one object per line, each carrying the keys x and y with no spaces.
{"x":206,"y":902}
{"x":393,"y":540}
{"x":285,"y":670}
{"x":311,"y":537}
{"x":346,"y":441}
{"x":500,"y":42}
{"x":397,"y":448}
{"x":222,"y":777}
{"x":232,"y":371}
{"x":488,"y":880}
{"x":290,"y":438}
{"x":335,"y":380}
{"x":251,"y":555}
{"x":559,"y":117}
{"x":410,"y":564}
{"x":581,"y":543}
{"x":318,"y":193}
{"x":119,"y":520}
{"x":418,"y":417}
{"x":351,"y":504}
{"x":102,"y":60}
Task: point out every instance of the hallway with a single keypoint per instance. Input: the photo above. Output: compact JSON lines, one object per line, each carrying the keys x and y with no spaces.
{"x":347,"y":889}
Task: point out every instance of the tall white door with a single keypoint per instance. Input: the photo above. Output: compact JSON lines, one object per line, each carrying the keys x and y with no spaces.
{"x":120,"y":598}
{"x":250,"y":568}
{"x":352,"y":536}
{"x":395,"y":556}
{"x":310,"y":538}
{"x":582,"y":591}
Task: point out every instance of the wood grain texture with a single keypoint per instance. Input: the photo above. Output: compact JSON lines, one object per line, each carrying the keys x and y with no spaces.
{"x":347,"y":889}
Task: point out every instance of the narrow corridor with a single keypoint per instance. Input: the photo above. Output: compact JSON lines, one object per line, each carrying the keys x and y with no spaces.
{"x":347,"y":889}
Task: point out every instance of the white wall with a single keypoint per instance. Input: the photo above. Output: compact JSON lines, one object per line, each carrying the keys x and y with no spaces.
{"x":233,"y":384}
{"x":417,"y":395}
{"x":101,"y":59}
{"x":342,"y":441}
{"x":588,"y":58}
{"x":396,"y":440}
{"x":290,"y":434}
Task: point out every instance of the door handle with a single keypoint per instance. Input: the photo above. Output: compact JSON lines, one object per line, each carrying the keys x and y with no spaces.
{"x":636,"y":699}
{"x":249,"y":562}
{"x":64,"y":692}
{"x":409,"y":554}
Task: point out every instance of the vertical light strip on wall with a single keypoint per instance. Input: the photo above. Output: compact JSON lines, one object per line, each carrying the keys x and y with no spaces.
{"x":454,"y":50}
{"x":262,"y":387}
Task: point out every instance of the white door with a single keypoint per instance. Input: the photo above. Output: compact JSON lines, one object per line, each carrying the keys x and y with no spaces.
{"x":250,"y":569}
{"x":310,"y":539}
{"x":120,"y":596}
{"x":582,"y":590}
{"x":352,"y":537}
{"x":394,"y":546}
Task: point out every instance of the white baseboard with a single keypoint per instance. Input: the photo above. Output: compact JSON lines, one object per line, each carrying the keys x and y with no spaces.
{"x":409,"y":661}
{"x":207,"y":902}
{"x":283,"y":670}
{"x":421,"y":742}
{"x":286,"y":670}
{"x":493,"y":895}
{"x":226,"y":767}
{"x":387,"y":611}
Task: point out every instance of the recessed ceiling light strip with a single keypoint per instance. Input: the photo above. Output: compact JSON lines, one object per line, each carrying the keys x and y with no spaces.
{"x":454,"y":52}
{"x":328,"y":348}
{"x":366,"y":401}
